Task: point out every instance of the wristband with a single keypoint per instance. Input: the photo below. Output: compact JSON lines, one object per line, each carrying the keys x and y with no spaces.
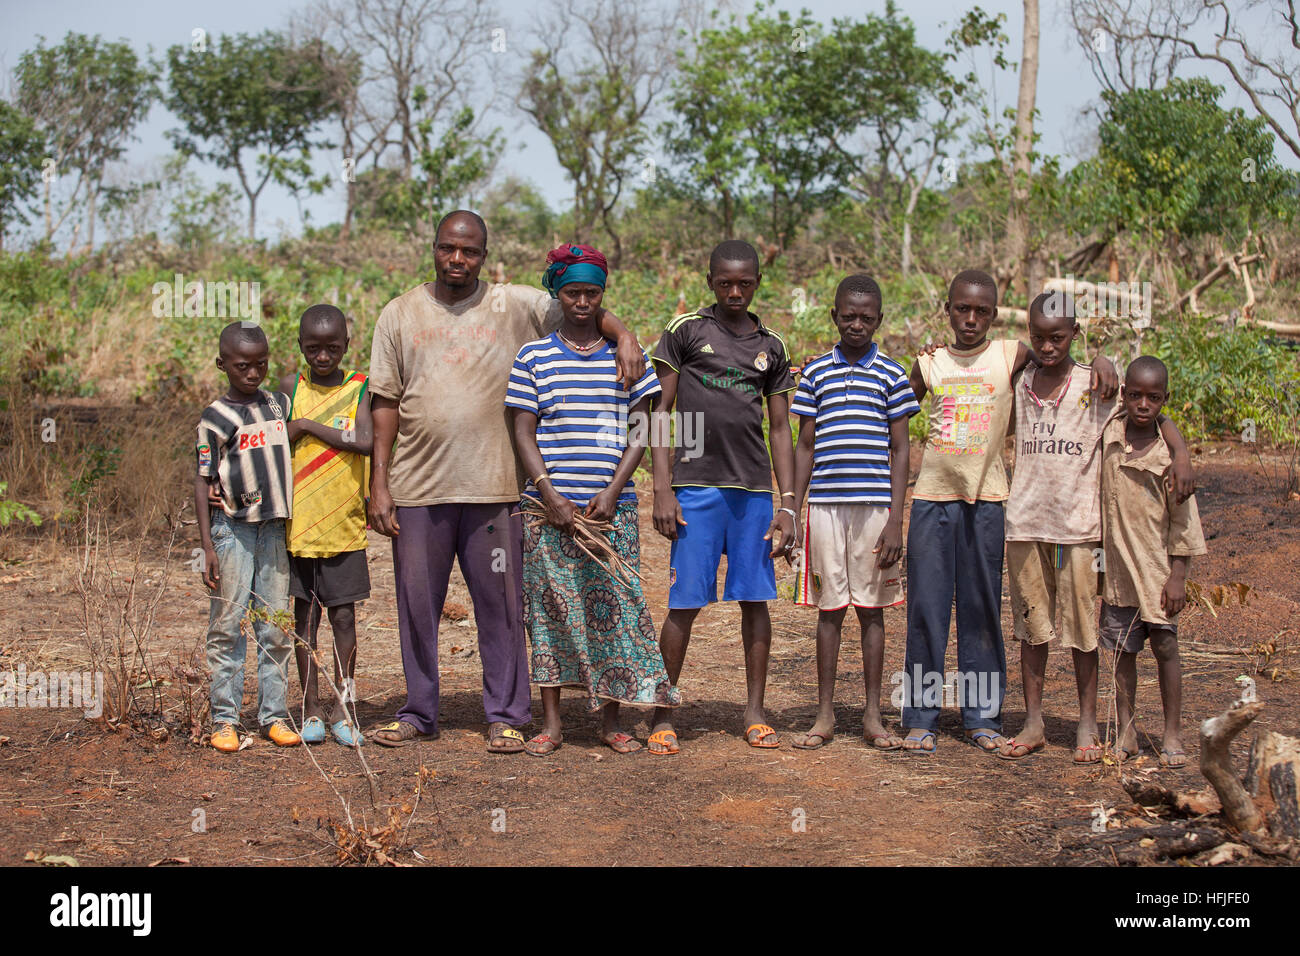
{"x":789,"y":511}
{"x":787,"y":494}
{"x":540,"y":478}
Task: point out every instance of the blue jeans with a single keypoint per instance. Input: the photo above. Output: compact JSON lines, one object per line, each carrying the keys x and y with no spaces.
{"x":254,"y":566}
{"x":955,"y":548}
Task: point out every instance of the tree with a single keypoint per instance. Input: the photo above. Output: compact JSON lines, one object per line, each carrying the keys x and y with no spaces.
{"x":591,"y":96}
{"x":1023,"y":157}
{"x":751,"y":110}
{"x":86,"y":97}
{"x":1172,"y":164}
{"x":249,"y":93}
{"x":400,"y":75}
{"x":876,"y":82}
{"x":1264,"y":66}
{"x":21,"y":150}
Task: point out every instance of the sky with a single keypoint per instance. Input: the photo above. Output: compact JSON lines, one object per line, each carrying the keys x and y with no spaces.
{"x":1066,"y":85}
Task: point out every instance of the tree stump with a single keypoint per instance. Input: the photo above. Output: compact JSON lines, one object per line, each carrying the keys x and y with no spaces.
{"x":1271,"y":781}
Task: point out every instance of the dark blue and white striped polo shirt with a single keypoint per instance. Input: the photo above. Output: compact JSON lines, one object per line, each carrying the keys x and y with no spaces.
{"x":852,"y":404}
{"x":581,"y":410}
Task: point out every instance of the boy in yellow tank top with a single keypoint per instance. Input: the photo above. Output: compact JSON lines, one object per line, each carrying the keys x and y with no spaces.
{"x":331,"y":431}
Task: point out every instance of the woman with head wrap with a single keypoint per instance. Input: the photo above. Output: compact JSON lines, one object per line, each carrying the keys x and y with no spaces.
{"x":589,"y":629}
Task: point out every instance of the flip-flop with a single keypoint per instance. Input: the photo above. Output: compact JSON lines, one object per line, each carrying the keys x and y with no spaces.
{"x":801,"y":741}
{"x":984,"y":734}
{"x":313,"y":731}
{"x":1124,"y":756}
{"x":622,"y":738}
{"x":346,"y":734}
{"x":1085,"y":750}
{"x":763,"y":731}
{"x":661,"y":737}
{"x":407,"y":733}
{"x":1167,"y":758}
{"x":509,"y":733}
{"x":541,"y":740}
{"x":875,"y":739}
{"x":1013,"y":744}
{"x":921,"y":751}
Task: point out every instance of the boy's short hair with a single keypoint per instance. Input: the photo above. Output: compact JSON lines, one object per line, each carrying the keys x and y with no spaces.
{"x":323,"y":314}
{"x":1148,"y":364}
{"x":478,"y":221}
{"x":857,"y":284}
{"x":1053,"y":305}
{"x":733,"y":250}
{"x":977,"y":278}
{"x":241,"y":332}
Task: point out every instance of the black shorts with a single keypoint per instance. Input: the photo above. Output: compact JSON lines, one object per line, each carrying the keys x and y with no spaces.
{"x":339,"y":579}
{"x":1122,"y":628}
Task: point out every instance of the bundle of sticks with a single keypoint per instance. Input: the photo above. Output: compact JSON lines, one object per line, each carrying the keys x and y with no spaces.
{"x":591,"y":538}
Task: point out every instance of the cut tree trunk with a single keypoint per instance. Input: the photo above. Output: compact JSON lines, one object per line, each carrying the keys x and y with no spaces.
{"x":1271,"y":781}
{"x":1216,"y":764}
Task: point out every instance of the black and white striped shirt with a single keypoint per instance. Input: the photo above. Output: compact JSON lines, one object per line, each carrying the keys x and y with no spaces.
{"x":246,"y":446}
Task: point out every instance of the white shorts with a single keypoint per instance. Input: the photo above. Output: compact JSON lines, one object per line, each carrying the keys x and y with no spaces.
{"x":839,"y":565}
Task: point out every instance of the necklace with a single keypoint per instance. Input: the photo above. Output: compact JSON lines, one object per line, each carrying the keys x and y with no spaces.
{"x":574,"y":345}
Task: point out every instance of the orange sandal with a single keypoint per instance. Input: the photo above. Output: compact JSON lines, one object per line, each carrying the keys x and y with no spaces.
{"x":764,"y":731}
{"x":664,"y":738}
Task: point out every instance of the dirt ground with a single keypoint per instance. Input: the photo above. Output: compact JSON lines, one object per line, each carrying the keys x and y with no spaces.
{"x":71,"y":787}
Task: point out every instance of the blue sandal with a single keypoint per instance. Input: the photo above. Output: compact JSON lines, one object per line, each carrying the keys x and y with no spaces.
{"x":921,"y":751}
{"x":346,"y":734}
{"x":313,"y":731}
{"x":985,"y":734}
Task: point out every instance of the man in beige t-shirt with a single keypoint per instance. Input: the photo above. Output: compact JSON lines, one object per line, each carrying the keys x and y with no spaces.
{"x":445,"y":482}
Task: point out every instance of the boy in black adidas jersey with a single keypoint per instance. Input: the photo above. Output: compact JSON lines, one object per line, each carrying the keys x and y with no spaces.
{"x":713,"y":496}
{"x":243,"y":446}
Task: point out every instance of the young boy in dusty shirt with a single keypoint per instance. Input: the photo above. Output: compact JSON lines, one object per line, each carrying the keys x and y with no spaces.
{"x":1053,"y":539}
{"x":1149,"y":538}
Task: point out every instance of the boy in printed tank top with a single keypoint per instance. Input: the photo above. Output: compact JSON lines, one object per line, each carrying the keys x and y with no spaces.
{"x":243,"y":463}
{"x":331,"y":431}
{"x":1053,"y":539}
{"x":955,"y":536}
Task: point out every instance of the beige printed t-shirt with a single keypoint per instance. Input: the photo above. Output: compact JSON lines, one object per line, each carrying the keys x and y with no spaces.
{"x":1056,"y":487}
{"x":970,"y":408}
{"x":447,"y":367}
{"x":1141,"y":523}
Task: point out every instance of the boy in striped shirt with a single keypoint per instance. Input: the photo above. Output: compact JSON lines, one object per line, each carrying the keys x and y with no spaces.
{"x":851,"y":459}
{"x":243,"y":447}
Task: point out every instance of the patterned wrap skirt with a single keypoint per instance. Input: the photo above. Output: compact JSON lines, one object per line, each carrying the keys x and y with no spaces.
{"x":588,"y":629}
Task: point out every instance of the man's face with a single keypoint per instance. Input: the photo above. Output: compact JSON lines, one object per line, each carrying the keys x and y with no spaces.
{"x":857,"y":316}
{"x":1050,"y":338}
{"x":323,"y":346}
{"x":971,"y":310}
{"x":1145,"y":393}
{"x":734,"y":284}
{"x":245,"y":365}
{"x":459,"y":252}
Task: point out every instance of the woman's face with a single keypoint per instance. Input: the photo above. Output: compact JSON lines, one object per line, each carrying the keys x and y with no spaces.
{"x":580,"y":301}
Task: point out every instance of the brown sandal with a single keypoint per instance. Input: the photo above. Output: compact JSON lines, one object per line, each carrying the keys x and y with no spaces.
{"x":399,"y":734}
{"x":502,"y":731}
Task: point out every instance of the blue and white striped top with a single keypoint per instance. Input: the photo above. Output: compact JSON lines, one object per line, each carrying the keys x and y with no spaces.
{"x":581,"y":414}
{"x":852,"y":404}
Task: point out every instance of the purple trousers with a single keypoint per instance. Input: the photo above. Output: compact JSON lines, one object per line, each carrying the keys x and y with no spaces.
{"x":488,"y":542}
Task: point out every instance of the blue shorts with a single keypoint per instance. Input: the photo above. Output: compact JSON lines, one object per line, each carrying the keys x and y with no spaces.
{"x":730,"y":521}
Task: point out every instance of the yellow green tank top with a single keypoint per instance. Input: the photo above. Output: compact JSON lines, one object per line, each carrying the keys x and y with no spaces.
{"x":329,"y":485}
{"x":970,"y":409}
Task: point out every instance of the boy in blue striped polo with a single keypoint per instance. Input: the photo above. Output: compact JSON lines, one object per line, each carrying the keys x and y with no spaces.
{"x":851,"y":458}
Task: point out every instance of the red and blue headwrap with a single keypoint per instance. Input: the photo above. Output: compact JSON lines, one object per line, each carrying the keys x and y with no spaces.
{"x":574,"y":264}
